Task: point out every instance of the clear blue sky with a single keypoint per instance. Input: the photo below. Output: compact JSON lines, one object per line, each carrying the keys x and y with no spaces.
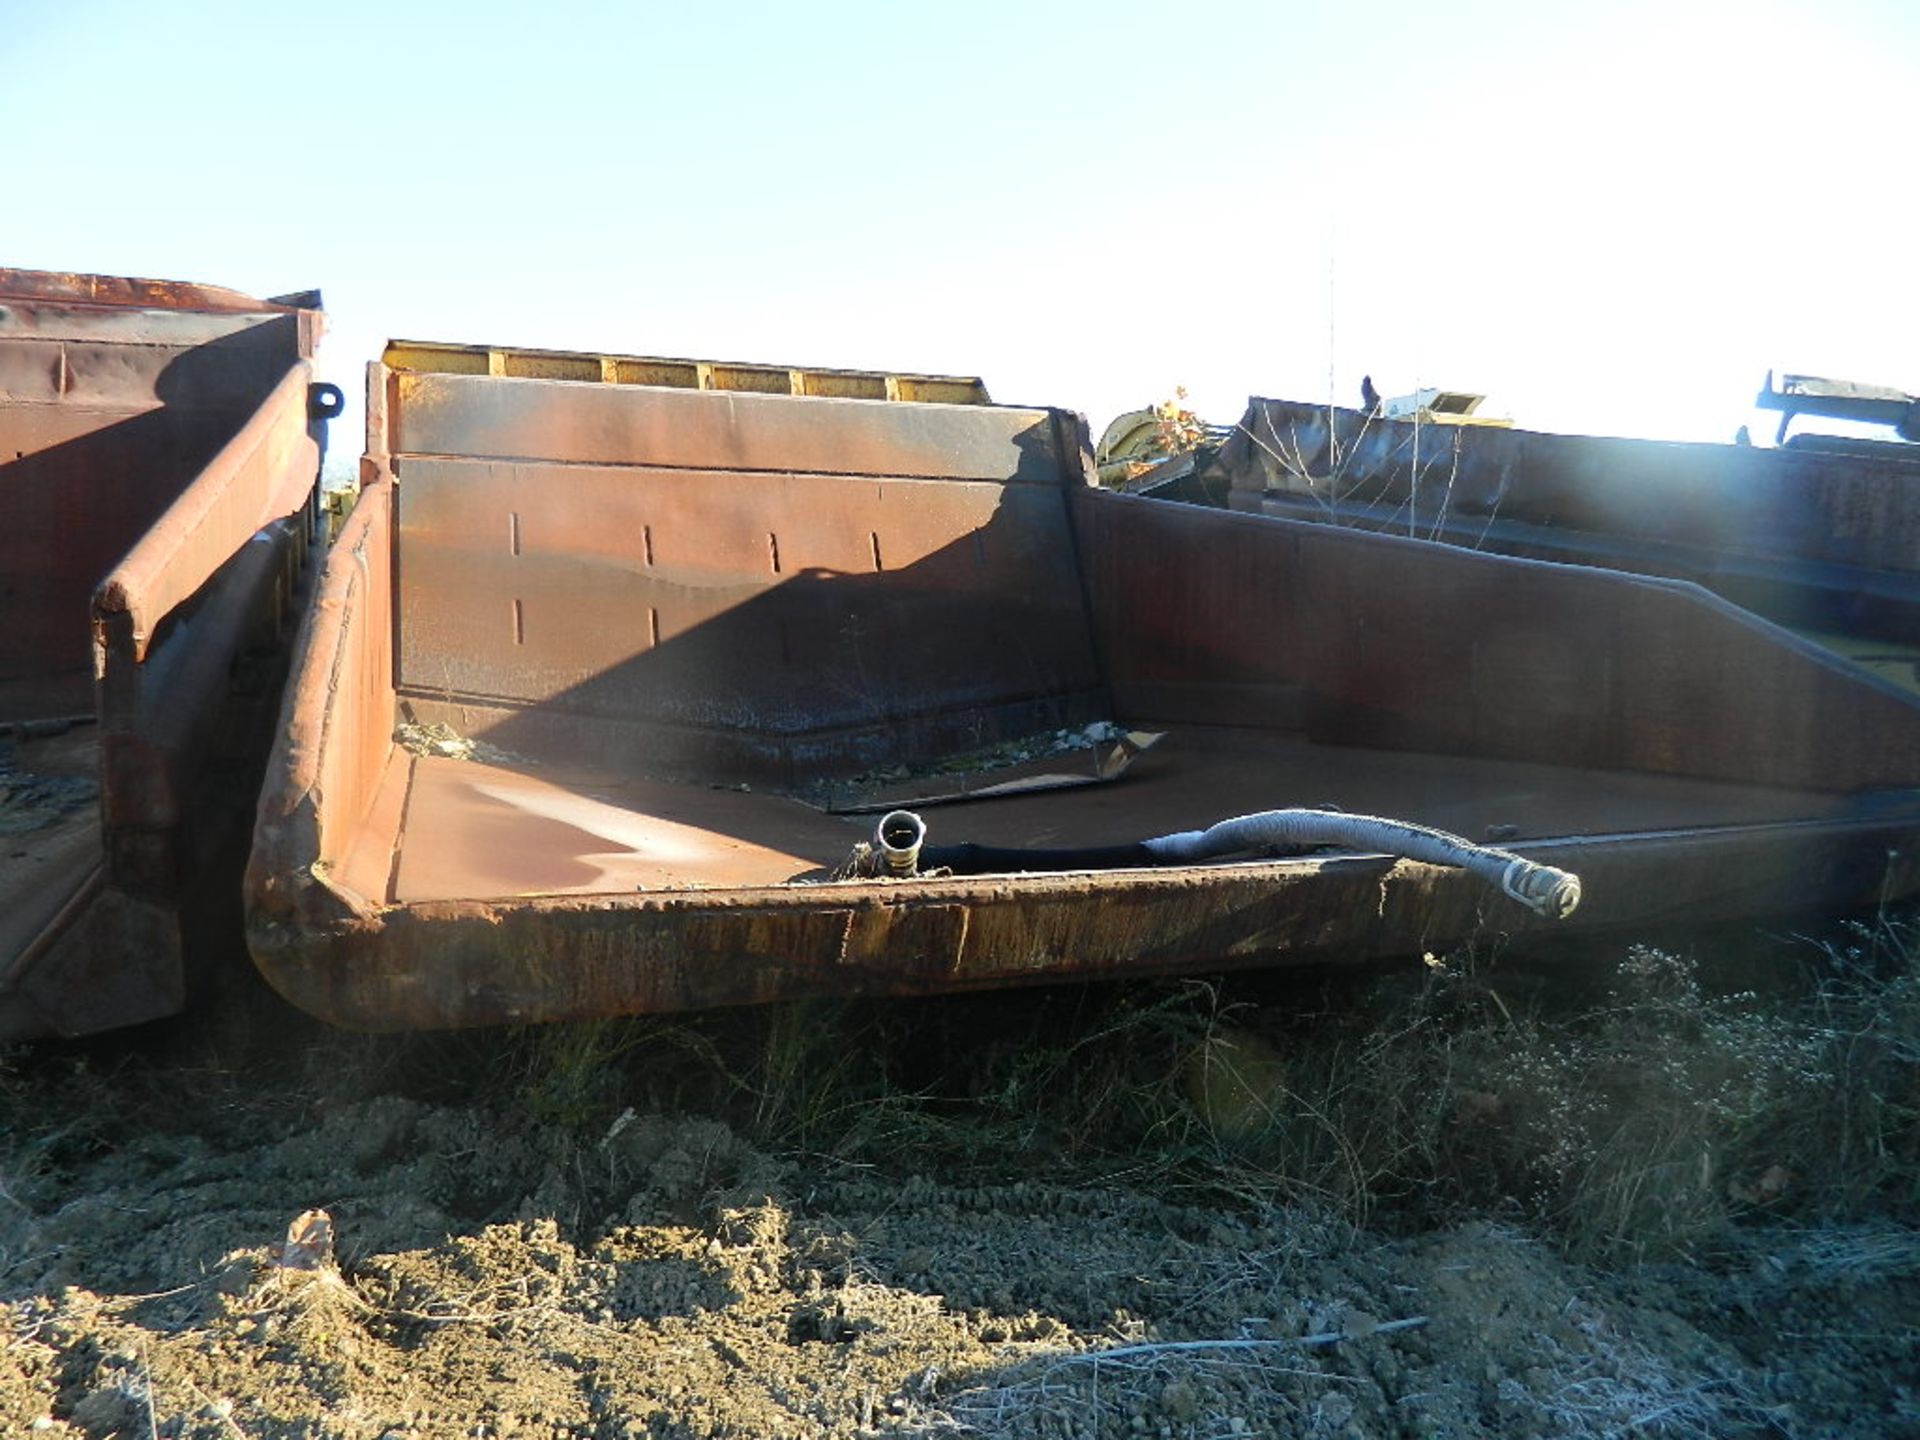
{"x":1608,"y":217}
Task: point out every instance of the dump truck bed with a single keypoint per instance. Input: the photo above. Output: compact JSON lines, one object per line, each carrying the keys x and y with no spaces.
{"x":598,"y":672}
{"x":157,"y":464}
{"x":1816,"y":536}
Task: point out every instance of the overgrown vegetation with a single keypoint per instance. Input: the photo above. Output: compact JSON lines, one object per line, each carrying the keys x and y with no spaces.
{"x":1628,"y":1104}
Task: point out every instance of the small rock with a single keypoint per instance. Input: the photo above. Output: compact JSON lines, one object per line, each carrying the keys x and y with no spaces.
{"x":107,"y":1411}
{"x":235,"y":1275}
{"x":1179,"y":1401}
{"x":1357,"y":1324}
{"x":812,"y":1323}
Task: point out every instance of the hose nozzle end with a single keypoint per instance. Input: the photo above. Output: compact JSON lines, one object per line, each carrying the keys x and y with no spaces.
{"x":898,"y":838}
{"x":1542,"y":889}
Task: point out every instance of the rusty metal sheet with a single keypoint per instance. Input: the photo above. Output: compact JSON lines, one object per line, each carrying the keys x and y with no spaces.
{"x":199,"y":708}
{"x":77,"y":496}
{"x":95,"y":338}
{"x":1400,"y":645}
{"x":502,"y":827}
{"x":265,"y":471}
{"x":130,"y":292}
{"x":336,"y":735}
{"x":476,"y":830}
{"x":113,"y":960}
{"x":105,"y":435}
{"x":152,"y":438}
{"x":481,"y":963}
{"x":751,"y":605}
{"x":493,"y":418}
{"x":1824,"y":541}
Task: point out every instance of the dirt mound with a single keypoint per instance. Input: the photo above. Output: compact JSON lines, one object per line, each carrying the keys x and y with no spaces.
{"x":560,"y":1253}
{"x":707,"y":1289}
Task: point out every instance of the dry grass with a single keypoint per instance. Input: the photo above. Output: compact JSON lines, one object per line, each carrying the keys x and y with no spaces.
{"x":1622,"y":1105}
{"x":1637,"y":1125}
{"x":1635,"y":1116}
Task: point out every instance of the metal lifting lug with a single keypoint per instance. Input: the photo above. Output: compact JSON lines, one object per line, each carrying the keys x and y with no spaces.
{"x":325,"y":401}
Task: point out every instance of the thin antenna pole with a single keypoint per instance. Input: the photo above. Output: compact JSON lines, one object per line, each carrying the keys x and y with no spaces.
{"x":1413,"y":490}
{"x":1330,"y":328}
{"x":1333,"y":439}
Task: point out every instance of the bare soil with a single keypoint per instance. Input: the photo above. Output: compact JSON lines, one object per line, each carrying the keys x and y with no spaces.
{"x":503,"y":1266}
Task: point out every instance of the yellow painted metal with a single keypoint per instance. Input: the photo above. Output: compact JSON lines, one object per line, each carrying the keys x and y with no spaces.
{"x":1130,"y":434}
{"x":435,"y":358}
{"x":1134,"y":443}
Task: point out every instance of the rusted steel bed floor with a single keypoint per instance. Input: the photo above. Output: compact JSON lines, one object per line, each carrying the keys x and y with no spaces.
{"x":470,"y":830}
{"x":49,"y":829}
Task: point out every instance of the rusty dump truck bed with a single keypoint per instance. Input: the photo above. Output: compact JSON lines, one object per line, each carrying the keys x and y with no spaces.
{"x":1821,"y":534}
{"x":605,"y":681}
{"x":157,"y":464}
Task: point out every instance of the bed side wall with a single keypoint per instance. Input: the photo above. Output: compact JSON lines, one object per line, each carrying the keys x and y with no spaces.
{"x":1363,"y":639}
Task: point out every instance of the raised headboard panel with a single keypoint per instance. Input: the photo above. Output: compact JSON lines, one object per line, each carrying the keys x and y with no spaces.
{"x":826,"y":583}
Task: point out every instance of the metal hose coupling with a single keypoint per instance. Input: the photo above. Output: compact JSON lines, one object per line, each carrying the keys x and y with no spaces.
{"x":897,"y":840}
{"x":1541,"y":888}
